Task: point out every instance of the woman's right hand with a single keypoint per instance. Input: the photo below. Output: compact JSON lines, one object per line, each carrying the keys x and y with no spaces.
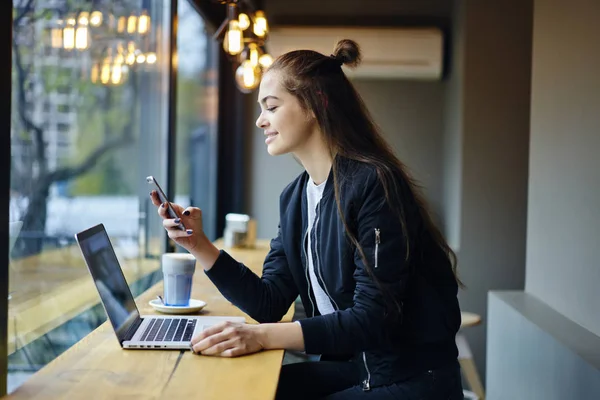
{"x":191,"y":218}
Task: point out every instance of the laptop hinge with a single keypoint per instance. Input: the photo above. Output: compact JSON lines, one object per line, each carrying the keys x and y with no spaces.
{"x":133,"y":329}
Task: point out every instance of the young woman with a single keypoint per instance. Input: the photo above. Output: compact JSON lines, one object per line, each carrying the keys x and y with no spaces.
{"x":355,"y":241}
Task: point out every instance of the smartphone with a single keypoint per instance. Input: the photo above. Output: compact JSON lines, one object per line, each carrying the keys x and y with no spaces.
{"x":163,"y":199}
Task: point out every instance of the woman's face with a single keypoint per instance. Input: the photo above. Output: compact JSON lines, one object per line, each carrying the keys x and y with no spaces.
{"x":286,"y":125}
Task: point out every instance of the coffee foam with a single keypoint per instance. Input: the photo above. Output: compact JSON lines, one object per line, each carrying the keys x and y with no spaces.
{"x":179,"y":256}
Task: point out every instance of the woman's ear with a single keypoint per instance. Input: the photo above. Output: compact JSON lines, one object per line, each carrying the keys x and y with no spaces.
{"x":310,"y":115}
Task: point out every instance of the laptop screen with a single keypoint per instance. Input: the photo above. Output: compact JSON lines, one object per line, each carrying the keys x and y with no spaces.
{"x":104,"y":267}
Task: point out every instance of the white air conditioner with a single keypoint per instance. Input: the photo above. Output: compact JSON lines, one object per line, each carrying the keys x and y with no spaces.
{"x":388,"y":53}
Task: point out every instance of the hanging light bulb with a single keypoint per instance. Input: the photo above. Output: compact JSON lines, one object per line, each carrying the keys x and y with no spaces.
{"x":247,"y":77}
{"x":233,"y":43}
{"x":116,"y":74}
{"x":260,"y":24}
{"x":144,"y":23}
{"x":122,"y":24}
{"x":84,"y":18}
{"x":94,"y":74}
{"x":130,"y":59}
{"x":69,"y":34}
{"x":57,"y":38}
{"x":131,"y":24}
{"x":244,"y":21}
{"x":151,"y":58}
{"x":253,"y":54}
{"x":81,"y":38}
{"x":265,"y":60}
{"x":105,"y":72}
{"x":141,"y":59}
{"x":96,"y":18}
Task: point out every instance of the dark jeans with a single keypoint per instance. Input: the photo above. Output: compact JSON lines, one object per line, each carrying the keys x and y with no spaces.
{"x":338,"y":381}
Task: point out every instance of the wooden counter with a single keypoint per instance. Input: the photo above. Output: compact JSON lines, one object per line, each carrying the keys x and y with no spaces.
{"x":98,"y":368}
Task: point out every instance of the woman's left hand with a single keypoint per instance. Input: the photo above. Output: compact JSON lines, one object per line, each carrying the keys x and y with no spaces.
{"x":228,"y":339}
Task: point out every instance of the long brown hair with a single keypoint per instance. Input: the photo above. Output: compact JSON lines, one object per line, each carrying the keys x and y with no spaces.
{"x":322,"y":88}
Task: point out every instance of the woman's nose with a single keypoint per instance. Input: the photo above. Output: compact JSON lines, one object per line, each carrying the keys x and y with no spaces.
{"x":261,"y":122}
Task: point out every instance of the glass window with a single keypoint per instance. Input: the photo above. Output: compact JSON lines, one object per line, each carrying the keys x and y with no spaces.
{"x":115,"y":114}
{"x":197,"y":104}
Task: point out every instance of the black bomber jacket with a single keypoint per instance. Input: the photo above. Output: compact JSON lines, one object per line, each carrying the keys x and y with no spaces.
{"x":388,"y":346}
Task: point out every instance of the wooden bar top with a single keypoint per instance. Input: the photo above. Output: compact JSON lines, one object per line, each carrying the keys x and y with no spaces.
{"x":98,"y":368}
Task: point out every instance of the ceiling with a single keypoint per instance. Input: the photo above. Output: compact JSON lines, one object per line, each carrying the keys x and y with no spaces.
{"x":287,"y":11}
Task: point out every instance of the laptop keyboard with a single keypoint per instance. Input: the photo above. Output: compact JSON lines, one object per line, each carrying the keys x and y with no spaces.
{"x":169,"y":330}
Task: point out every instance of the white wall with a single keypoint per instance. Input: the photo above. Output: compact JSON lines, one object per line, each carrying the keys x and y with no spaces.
{"x":563,"y":236}
{"x":410,"y":115}
{"x":491,"y":125}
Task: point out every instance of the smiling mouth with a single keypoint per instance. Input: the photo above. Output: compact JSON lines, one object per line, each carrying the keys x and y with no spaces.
{"x":270,"y":137}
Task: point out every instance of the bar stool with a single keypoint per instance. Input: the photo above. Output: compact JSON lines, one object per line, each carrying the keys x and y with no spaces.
{"x":465,"y":357}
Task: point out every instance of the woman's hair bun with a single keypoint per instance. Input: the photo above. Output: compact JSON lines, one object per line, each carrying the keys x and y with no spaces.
{"x":347,"y":52}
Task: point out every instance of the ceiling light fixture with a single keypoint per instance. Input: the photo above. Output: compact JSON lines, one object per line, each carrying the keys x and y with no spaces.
{"x":244,"y":34}
{"x":116,"y":42}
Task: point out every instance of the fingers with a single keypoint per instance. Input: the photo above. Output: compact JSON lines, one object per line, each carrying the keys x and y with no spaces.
{"x":192,"y":213}
{"x":163,"y":211}
{"x":171,"y":223}
{"x":154,"y":198}
{"x":221,"y":347}
{"x":178,"y":234}
{"x":234,"y":352}
{"x":227,"y":339}
{"x":162,"y":207}
{"x":211,"y":330}
{"x":213,"y":341}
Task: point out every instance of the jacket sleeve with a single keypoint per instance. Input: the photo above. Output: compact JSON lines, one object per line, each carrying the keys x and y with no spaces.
{"x":266,"y":299}
{"x":362,"y":326}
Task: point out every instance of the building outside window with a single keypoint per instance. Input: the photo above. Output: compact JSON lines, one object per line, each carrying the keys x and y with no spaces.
{"x":89,"y":123}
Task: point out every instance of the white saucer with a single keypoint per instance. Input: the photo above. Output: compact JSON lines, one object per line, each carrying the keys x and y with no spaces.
{"x":194,"y":306}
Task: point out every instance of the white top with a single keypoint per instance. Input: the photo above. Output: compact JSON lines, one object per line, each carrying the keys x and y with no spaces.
{"x":314,"y":193}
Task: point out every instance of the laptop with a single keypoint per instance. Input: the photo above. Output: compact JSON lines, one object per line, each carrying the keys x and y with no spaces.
{"x":134,"y":331}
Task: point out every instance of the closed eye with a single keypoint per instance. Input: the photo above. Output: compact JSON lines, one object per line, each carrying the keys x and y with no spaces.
{"x":271,"y":109}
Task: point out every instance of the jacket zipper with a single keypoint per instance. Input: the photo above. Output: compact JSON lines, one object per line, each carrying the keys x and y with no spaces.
{"x":377,"y":241}
{"x":366,"y":384}
{"x":319,"y":261}
{"x":306,"y":270}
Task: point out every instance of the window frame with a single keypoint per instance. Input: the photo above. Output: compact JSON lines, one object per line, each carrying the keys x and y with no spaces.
{"x":6,"y":17}
{"x":172,"y":113}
